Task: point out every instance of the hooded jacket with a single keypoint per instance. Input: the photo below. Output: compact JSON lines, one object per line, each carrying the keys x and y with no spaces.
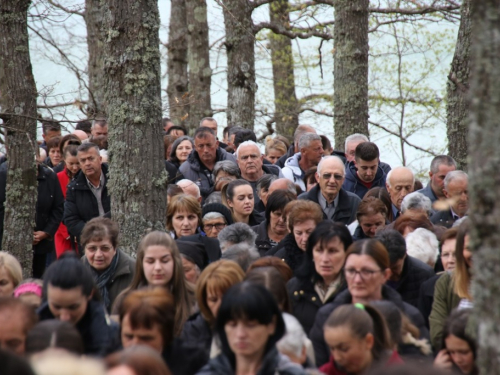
{"x":321,"y":350}
{"x":353,"y":183}
{"x":292,"y":171}
{"x":193,"y":169}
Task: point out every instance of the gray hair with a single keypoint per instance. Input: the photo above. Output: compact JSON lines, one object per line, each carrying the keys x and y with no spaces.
{"x":442,"y":160}
{"x":265,"y":181}
{"x":388,"y":177}
{"x":189,"y":183}
{"x":454,"y":175}
{"x":294,"y":339}
{"x":241,"y":253}
{"x":246,"y":143}
{"x":211,"y":119}
{"x":355,"y":137}
{"x":302,"y":129}
{"x":215,"y":197}
{"x":423,"y":245}
{"x":228,"y":166}
{"x":326,"y":158}
{"x":213,"y":215}
{"x":416,"y":201}
{"x":306,"y":140}
{"x":233,"y":130}
{"x":235,"y":234}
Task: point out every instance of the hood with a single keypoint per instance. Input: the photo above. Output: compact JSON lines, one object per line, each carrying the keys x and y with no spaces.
{"x":293,"y":162}
{"x":352,"y":175}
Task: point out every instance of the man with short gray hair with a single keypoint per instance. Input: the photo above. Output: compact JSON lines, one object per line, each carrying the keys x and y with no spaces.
{"x":309,"y":155}
{"x":440,"y":166}
{"x":456,"y":190}
{"x":293,"y":149}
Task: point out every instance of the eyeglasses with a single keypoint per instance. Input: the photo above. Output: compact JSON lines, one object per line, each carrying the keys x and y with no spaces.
{"x":350,"y":273}
{"x":328,"y":176}
{"x":218,"y":226}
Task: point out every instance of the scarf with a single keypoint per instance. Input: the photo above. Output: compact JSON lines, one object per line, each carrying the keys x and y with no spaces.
{"x":102,"y":279}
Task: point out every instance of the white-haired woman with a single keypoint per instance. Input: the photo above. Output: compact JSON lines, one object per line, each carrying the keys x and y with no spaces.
{"x":423,"y":245}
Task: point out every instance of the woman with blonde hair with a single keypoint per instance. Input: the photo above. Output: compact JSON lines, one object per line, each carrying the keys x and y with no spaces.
{"x":159,"y":264}
{"x":11,"y":274}
{"x":213,"y":282}
{"x":183,"y":216}
{"x":275,"y":149}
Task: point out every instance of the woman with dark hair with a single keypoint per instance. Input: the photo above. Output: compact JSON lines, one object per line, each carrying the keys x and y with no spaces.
{"x":269,"y":261}
{"x":302,"y":218}
{"x":70,"y":295}
{"x":181,"y":148}
{"x":452,"y":288}
{"x":372,"y":217}
{"x":272,"y":230}
{"x":238,"y":197}
{"x":358,"y":339}
{"x":53,"y":334}
{"x":271,"y":279}
{"x":366,"y":270}
{"x":310,"y":178}
{"x":183,"y":216}
{"x":408,"y":223}
{"x":147,"y":317}
{"x":459,"y":348}
{"x":159,"y":265}
{"x":249,"y":324}
{"x":262,"y":189}
{"x":111,"y":268}
{"x":136,"y":360}
{"x":320,"y":278}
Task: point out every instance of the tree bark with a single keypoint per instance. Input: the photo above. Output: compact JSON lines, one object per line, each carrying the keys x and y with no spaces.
{"x":95,"y":11}
{"x":177,"y":65}
{"x":285,"y":101}
{"x":20,"y":101}
{"x":200,"y":74}
{"x":137,"y":182}
{"x":350,"y":97}
{"x":457,"y":88}
{"x":241,"y":86}
{"x":484,"y":135}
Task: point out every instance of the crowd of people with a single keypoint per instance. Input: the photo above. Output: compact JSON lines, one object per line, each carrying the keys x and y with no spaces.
{"x":298,"y":260}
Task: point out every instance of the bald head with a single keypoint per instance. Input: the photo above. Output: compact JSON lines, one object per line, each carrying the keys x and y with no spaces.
{"x":399,"y":183}
{"x":190,"y":188}
{"x":330,"y":161}
{"x":80,"y":134}
{"x":282,"y":184}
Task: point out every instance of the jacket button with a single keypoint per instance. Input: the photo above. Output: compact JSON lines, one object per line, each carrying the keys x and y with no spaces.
{"x":301,"y":292}
{"x":296,"y":293}
{"x":313,"y":299}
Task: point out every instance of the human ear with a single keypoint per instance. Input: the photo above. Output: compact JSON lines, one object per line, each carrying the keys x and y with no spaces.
{"x":369,"y":341}
{"x":271,"y":327}
{"x":387,"y":273}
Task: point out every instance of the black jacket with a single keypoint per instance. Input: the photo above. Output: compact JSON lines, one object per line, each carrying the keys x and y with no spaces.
{"x":255,"y":218}
{"x":81,"y":204}
{"x":212,"y":246}
{"x":353,"y":183}
{"x":290,"y":252}
{"x":49,"y":208}
{"x":415,"y":272}
{"x":305,"y":301}
{"x":174,"y":175}
{"x":444,"y":218}
{"x":183,"y":359}
{"x":99,"y":337}
{"x":359,"y":234}
{"x":197,"y":332}
{"x":262,"y":241}
{"x":273,"y":363}
{"x":426,"y":297}
{"x":321,"y":350}
{"x":346,"y":210}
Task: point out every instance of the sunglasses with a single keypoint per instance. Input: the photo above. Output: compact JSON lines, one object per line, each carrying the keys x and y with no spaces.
{"x":328,"y":176}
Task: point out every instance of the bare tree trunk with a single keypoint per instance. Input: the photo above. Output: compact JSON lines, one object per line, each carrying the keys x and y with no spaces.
{"x":484,"y":135}
{"x":200,"y":74}
{"x":94,"y":19}
{"x":137,"y":181}
{"x":457,"y":88}
{"x":20,"y":101}
{"x":285,"y":100}
{"x":350,"y":97}
{"x":177,"y":65}
{"x":240,"y":41}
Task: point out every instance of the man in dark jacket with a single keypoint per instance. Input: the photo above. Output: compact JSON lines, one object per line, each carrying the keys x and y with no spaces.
{"x":293,"y":149}
{"x":200,"y":163}
{"x":351,"y":142}
{"x":456,"y":190}
{"x":364,"y":172}
{"x":407,"y":273}
{"x":87,"y":195}
{"x":321,"y":349}
{"x":336,"y":203}
{"x":440,"y":166}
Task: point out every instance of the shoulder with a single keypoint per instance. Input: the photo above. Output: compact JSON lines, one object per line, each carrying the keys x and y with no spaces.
{"x":417,"y":266}
{"x":353,"y":198}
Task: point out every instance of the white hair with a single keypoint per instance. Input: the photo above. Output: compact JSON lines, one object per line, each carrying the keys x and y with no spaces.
{"x":246,"y":143}
{"x":416,"y":201}
{"x":306,"y":139}
{"x":355,"y":137}
{"x":388,"y":177}
{"x":423,"y":245}
{"x":455,"y":175}
{"x":213,"y":215}
{"x":326,"y":158}
{"x":187,"y":183}
{"x":294,"y":339}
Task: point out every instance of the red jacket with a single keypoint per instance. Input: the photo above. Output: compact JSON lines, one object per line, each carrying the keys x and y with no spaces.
{"x":62,"y":238}
{"x":330,"y":369}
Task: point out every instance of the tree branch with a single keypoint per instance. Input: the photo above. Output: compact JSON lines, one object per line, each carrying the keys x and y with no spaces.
{"x":301,"y":33}
{"x":416,"y":11}
{"x":258,"y":3}
{"x":67,"y":10}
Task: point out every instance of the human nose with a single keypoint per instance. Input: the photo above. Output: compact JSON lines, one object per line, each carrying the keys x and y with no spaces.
{"x":64,"y":315}
{"x":157,"y":265}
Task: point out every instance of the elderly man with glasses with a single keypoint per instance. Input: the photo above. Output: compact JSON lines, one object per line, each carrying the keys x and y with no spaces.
{"x":336,"y":203}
